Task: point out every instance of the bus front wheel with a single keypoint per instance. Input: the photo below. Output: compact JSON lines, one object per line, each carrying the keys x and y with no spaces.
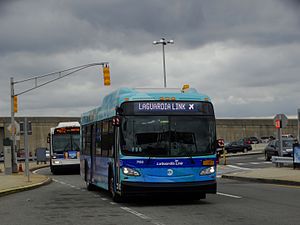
{"x":115,"y":196}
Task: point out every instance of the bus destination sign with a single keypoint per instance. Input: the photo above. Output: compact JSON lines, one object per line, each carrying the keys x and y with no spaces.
{"x":67,"y":130}
{"x":173,"y":107}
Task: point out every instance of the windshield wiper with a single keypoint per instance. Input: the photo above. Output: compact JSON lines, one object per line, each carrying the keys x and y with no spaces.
{"x":190,"y":157}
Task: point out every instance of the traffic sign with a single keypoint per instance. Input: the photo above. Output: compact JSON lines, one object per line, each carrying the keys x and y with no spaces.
{"x":280,"y":121}
{"x":14,"y":129}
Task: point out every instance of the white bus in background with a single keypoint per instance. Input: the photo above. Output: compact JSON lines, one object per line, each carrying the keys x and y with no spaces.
{"x":64,"y":141}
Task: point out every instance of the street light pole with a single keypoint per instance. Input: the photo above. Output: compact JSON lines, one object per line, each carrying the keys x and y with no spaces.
{"x":164,"y":42}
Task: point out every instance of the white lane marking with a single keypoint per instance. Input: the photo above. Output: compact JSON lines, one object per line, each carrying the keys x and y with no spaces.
{"x":104,"y":199}
{"x":255,"y":163}
{"x":238,"y":167}
{"x":113,"y":203}
{"x":240,"y":164}
{"x":228,"y":195}
{"x":140,"y":215}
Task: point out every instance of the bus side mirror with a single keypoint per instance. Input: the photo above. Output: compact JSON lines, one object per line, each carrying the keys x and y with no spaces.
{"x":116,"y":121}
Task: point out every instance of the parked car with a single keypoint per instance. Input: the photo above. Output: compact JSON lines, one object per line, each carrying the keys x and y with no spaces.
{"x":251,"y":140}
{"x":273,"y":148}
{"x":266,"y":139}
{"x":254,"y":140}
{"x":238,"y":146}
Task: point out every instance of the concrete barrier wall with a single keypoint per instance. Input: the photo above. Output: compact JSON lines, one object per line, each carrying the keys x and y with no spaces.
{"x":229,"y":129}
{"x":234,"y":129}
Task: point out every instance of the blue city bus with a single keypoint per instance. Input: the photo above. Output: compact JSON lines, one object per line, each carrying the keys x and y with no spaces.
{"x":150,"y":141}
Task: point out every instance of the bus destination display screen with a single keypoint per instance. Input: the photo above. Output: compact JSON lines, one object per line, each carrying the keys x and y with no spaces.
{"x":168,"y":107}
{"x":67,"y":130}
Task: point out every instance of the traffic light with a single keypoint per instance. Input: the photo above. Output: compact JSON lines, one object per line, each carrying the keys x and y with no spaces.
{"x":15,"y":103}
{"x":106,"y":75}
{"x":278,"y":124}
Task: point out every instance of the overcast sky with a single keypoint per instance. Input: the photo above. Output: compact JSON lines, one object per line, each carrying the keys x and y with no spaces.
{"x":244,"y":54}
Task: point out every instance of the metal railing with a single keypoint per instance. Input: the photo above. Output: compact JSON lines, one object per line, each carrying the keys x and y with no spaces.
{"x":280,"y":160}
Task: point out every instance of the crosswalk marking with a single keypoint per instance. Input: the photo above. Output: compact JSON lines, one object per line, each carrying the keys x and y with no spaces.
{"x":252,"y":163}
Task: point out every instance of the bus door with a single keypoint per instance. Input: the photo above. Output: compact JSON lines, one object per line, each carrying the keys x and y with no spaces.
{"x":93,"y":150}
{"x":116,"y":155}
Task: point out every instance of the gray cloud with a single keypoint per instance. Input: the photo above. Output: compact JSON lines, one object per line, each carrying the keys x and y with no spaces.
{"x":244,"y":54}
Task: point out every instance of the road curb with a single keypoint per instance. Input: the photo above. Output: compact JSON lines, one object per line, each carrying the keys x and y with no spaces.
{"x":47,"y":180}
{"x":261,"y":180}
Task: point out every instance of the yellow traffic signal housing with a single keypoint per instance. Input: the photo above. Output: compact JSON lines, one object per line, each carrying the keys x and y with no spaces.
{"x":106,"y":75}
{"x":15,"y":103}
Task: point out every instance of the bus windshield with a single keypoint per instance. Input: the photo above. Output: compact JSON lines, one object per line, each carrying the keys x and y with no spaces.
{"x":168,"y":136}
{"x":66,"y":142}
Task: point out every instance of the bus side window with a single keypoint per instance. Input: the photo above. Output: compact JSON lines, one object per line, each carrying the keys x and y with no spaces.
{"x":111,"y":138}
{"x":88,"y":140}
{"x":107,"y":138}
{"x":83,"y":139}
{"x":98,"y":138}
{"x":104,"y":138}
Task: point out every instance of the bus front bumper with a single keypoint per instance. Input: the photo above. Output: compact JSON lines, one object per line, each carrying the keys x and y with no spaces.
{"x":141,"y":188}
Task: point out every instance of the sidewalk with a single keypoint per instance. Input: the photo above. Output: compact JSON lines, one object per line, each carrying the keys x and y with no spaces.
{"x":273,"y":175}
{"x":19,"y":181}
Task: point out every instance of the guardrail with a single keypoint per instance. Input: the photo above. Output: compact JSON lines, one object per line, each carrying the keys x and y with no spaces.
{"x":279,"y":160}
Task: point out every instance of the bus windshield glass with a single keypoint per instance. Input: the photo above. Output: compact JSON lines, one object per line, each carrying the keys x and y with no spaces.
{"x":168,"y":136}
{"x":66,"y":142}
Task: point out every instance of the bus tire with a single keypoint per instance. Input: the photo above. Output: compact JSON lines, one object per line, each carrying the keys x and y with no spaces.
{"x":115,"y":196}
{"x":54,"y":171}
{"x":199,"y":196}
{"x":89,"y":185}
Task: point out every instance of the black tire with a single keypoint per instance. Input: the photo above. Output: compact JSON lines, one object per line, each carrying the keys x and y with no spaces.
{"x":267,"y":157}
{"x":54,"y":171}
{"x":88,"y":184}
{"x":195,"y":196}
{"x":245,"y":150}
{"x":200,"y":196}
{"x":115,"y":196}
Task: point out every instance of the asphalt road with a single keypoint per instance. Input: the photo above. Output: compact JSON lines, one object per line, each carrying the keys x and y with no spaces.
{"x":249,"y":161}
{"x":66,"y":201}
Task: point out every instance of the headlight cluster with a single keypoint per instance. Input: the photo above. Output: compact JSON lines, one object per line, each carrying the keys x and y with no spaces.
{"x":207,"y":171}
{"x":130,"y":172}
{"x":55,"y":161}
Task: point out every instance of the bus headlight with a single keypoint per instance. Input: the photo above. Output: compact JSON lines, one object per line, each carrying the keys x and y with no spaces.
{"x":130,"y":172}
{"x":55,"y":161}
{"x":208,"y":171}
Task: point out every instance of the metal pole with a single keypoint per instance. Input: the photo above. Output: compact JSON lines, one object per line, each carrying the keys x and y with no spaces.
{"x":164,"y":42}
{"x":26,"y":148}
{"x":164,"y":64}
{"x":13,"y":128}
{"x":298,"y":138}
